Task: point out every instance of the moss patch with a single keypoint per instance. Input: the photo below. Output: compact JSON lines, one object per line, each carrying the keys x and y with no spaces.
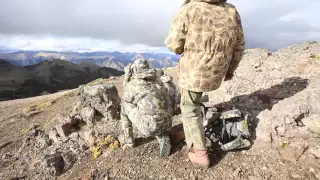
{"x":109,"y":144}
{"x":284,"y":145}
{"x":315,"y":56}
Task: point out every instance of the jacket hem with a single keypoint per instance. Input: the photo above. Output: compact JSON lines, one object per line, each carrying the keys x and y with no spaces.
{"x":198,"y":89}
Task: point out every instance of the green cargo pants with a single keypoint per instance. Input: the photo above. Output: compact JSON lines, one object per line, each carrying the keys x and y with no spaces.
{"x":192,"y":119}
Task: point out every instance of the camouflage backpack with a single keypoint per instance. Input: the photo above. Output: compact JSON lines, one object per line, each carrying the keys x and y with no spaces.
{"x":145,"y":92}
{"x":227,"y":130}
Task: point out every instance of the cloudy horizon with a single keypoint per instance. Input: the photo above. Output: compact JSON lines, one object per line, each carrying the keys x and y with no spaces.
{"x":142,"y":25}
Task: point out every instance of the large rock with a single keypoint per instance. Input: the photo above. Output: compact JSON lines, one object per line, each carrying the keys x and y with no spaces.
{"x":38,"y":138}
{"x":53,"y":135}
{"x":69,"y":141}
{"x":88,"y":114}
{"x":53,"y":164}
{"x":89,"y":137}
{"x":282,"y":92}
{"x":69,"y":158}
{"x":81,"y":142}
{"x":43,"y":140}
{"x":100,"y":101}
{"x":66,"y":126}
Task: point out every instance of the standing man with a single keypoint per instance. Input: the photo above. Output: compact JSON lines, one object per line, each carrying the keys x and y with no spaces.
{"x":209,"y":35}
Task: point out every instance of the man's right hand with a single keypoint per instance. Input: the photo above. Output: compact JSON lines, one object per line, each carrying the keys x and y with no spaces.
{"x":228,"y":77}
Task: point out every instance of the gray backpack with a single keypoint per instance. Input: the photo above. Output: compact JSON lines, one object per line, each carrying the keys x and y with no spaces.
{"x":228,"y":130}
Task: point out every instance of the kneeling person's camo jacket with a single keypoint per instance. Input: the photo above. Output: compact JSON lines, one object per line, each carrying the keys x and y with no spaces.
{"x":144,"y":95}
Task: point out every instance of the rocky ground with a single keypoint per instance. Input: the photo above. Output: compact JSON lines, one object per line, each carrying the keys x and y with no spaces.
{"x":62,"y":136}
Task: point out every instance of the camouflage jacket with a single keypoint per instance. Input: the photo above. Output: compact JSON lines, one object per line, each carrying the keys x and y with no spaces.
{"x":209,"y":34}
{"x":146,"y":93}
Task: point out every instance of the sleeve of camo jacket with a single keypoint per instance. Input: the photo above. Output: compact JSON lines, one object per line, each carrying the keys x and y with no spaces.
{"x":176,"y":38}
{"x":238,"y":48}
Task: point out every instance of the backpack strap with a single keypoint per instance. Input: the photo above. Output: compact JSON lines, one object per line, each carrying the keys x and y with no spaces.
{"x":139,"y":96}
{"x":223,"y":128}
{"x":203,"y":113}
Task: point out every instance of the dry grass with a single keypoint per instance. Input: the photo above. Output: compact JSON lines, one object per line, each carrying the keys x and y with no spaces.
{"x":40,"y":107}
{"x":37,"y":108}
{"x":72,"y":93}
{"x":97,"y":81}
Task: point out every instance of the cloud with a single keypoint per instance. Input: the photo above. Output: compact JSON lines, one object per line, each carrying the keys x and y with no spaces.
{"x":53,"y":43}
{"x":130,"y":22}
{"x":142,"y":24}
{"x":277,"y":23}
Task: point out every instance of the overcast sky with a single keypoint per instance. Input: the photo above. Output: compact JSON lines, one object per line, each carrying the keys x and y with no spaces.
{"x":142,"y":25}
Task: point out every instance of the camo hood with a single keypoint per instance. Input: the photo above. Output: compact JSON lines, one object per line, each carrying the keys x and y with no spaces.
{"x":140,"y":65}
{"x":145,"y":93}
{"x":147,"y":74}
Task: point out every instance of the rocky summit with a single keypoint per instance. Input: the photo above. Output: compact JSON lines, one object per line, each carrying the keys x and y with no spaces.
{"x":74,"y":134}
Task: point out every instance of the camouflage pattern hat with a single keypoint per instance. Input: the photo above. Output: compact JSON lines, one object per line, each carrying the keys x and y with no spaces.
{"x":139,"y":65}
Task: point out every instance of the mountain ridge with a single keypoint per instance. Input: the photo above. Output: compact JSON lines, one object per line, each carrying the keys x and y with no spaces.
{"x":47,"y":76}
{"x":115,"y":59}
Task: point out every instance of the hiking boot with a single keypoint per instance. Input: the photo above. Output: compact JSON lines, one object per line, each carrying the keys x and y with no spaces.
{"x":199,"y":157}
{"x":165,"y":145}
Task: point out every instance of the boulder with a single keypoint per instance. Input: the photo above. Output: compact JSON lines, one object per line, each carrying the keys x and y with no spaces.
{"x":69,"y":158}
{"x":102,"y":98}
{"x":43,"y":140}
{"x":76,"y":137}
{"x":88,"y":114}
{"x":52,"y":164}
{"x":88,"y":137}
{"x":53,"y":135}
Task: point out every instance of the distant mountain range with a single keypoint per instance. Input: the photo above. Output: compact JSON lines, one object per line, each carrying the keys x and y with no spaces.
{"x":47,"y":77}
{"x":116,"y":60}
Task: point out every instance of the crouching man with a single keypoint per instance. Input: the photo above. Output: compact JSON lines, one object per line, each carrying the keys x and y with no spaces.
{"x":146,"y":106}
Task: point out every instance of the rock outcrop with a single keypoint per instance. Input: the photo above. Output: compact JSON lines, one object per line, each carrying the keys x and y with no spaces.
{"x":75,"y":136}
{"x":100,"y":101}
{"x":282,"y":91}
